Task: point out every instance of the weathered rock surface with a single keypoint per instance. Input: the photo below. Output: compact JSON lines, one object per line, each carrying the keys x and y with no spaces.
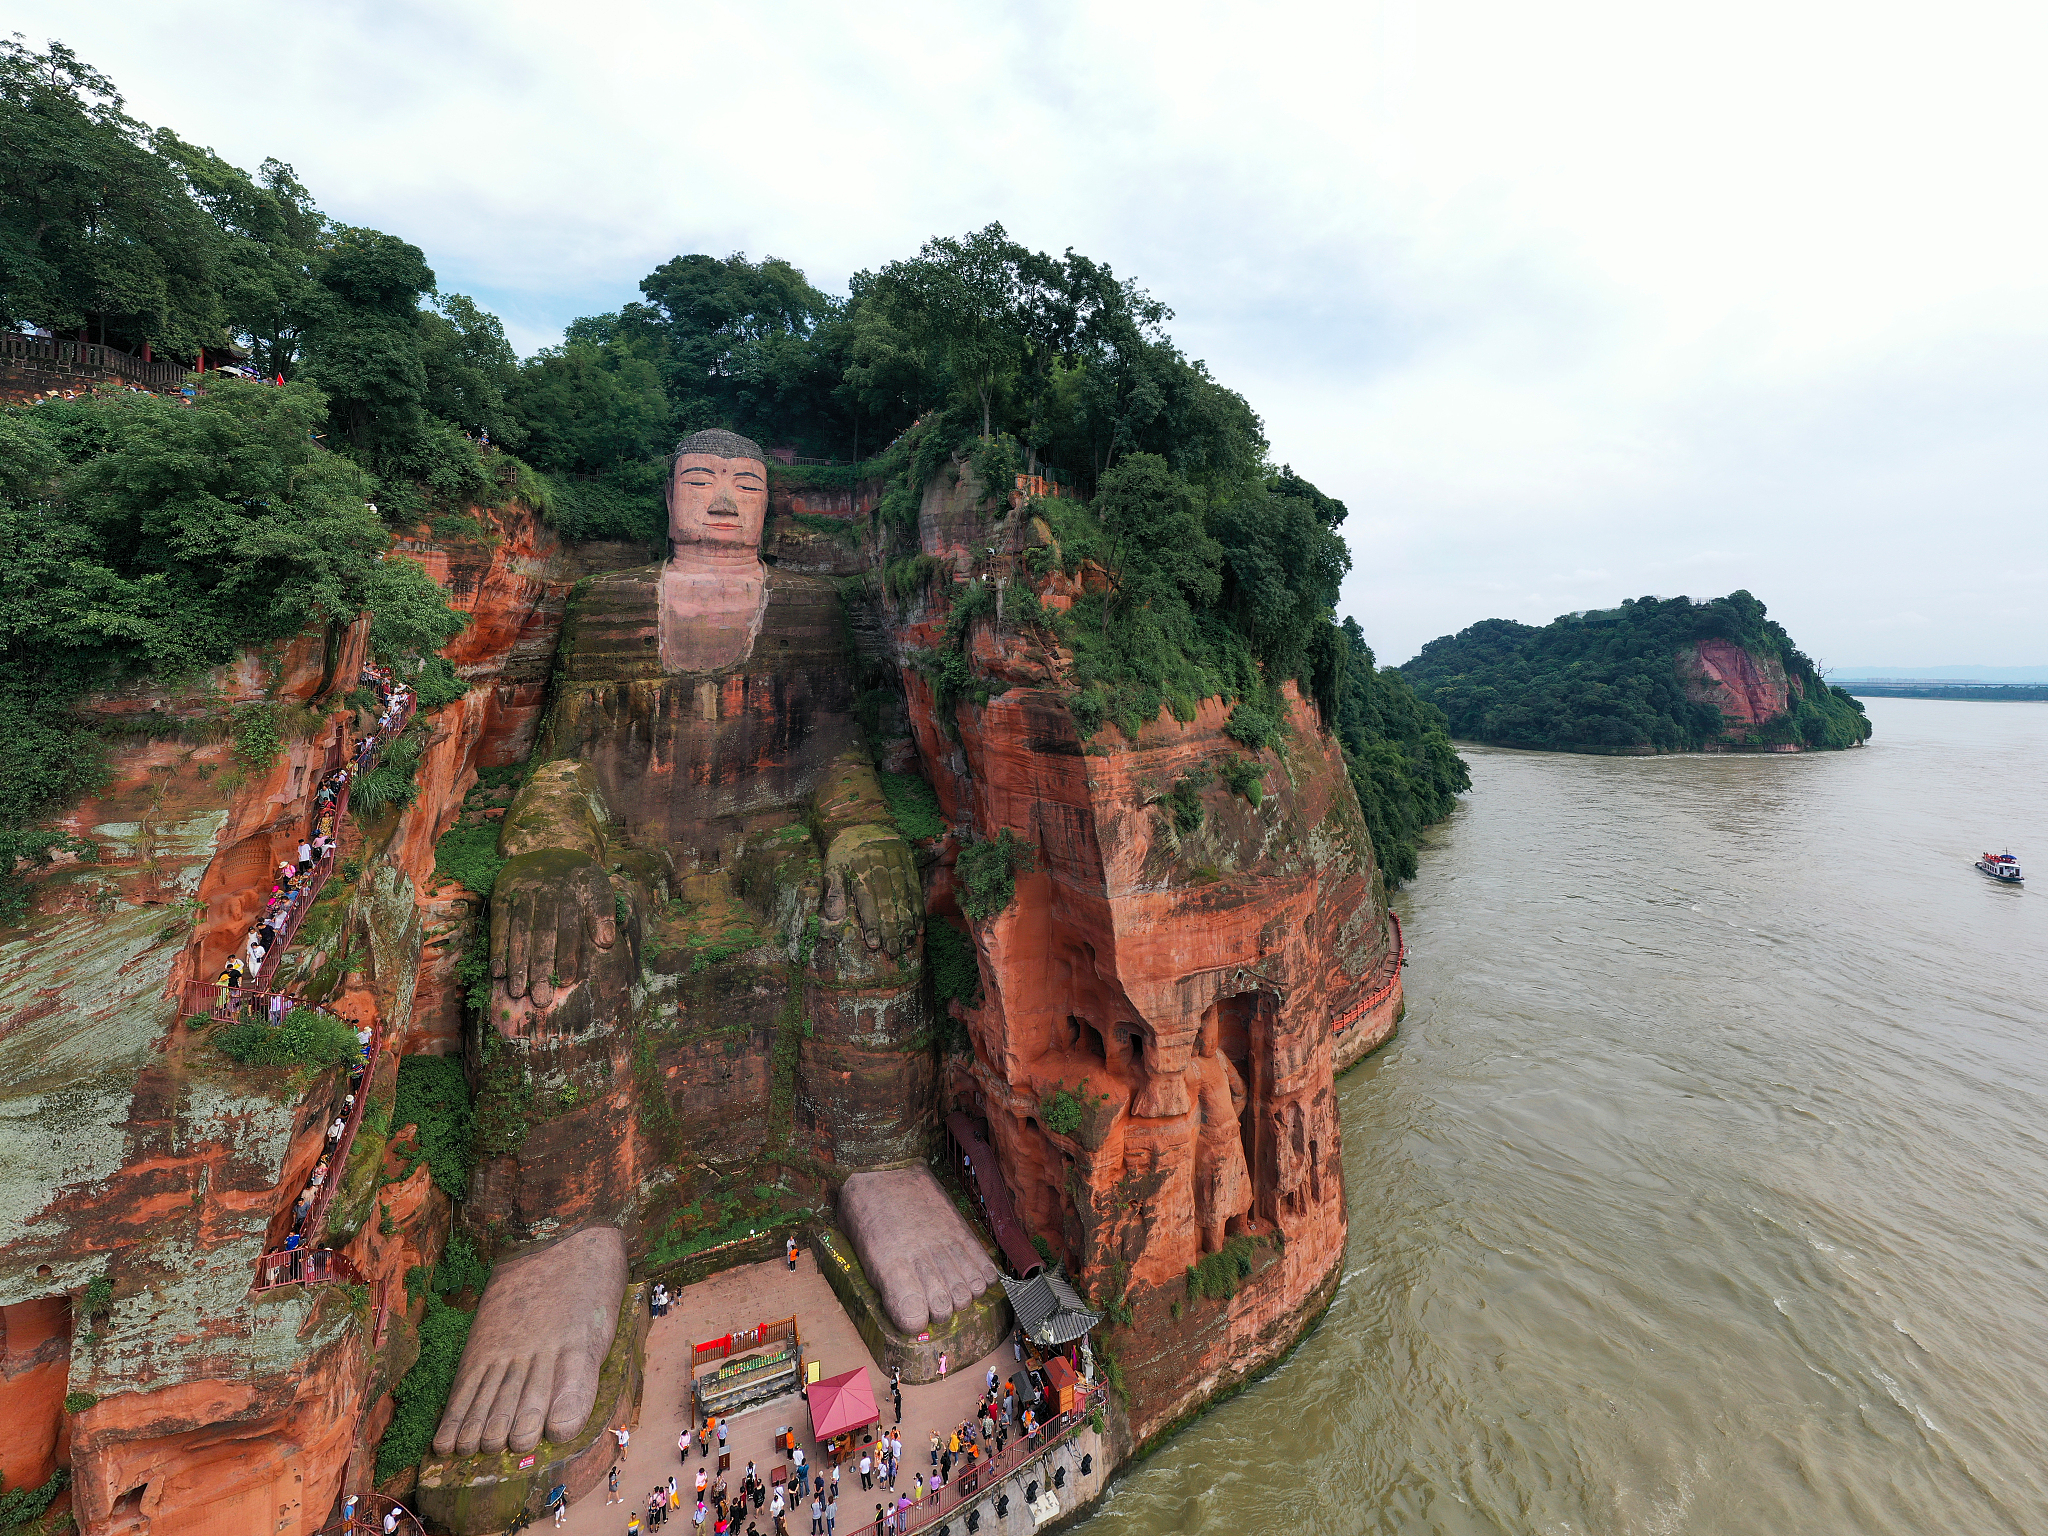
{"x":1747,"y":690}
{"x":131,"y":1150}
{"x":707,"y":989}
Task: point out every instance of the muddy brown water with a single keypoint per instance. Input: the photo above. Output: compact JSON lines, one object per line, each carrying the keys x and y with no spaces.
{"x":1703,"y":1187}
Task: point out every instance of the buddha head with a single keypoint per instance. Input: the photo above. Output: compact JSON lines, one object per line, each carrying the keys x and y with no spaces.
{"x":717,"y":495}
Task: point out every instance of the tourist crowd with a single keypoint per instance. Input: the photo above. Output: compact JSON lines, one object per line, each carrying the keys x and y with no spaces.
{"x":720,"y":1509}
{"x":293,"y":881}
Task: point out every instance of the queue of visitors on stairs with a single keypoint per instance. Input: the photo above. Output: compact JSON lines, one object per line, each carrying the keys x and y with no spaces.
{"x":292,"y":881}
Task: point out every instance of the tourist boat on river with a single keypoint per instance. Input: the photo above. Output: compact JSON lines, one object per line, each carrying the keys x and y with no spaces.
{"x":2002,"y":866}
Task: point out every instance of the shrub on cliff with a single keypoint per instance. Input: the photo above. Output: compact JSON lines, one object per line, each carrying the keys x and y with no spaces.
{"x":468,"y":855}
{"x":988,"y":872}
{"x":421,"y":1395}
{"x":305,"y":1037}
{"x":18,"y":1506}
{"x":433,"y":1095}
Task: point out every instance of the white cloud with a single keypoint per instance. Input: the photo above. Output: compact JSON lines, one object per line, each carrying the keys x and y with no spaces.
{"x":1568,"y":302}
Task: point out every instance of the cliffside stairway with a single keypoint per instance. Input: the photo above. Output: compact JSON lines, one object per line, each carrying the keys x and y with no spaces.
{"x":1382,"y":985}
{"x":296,"y":1264}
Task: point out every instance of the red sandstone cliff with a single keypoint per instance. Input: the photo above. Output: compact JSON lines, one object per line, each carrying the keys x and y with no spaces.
{"x":134,"y":1152}
{"x":1181,"y":985}
{"x":1748,"y":691}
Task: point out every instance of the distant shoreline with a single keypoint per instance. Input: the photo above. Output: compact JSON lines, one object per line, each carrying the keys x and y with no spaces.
{"x":1998,"y":693}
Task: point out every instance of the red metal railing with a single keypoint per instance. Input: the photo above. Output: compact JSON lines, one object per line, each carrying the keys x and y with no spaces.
{"x":300,"y":1265}
{"x":303,"y":1266}
{"x":989,"y":1470}
{"x":1381,"y":993}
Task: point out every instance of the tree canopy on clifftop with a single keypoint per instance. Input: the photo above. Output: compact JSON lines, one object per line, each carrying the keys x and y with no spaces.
{"x":1610,"y":680}
{"x":1220,"y":570}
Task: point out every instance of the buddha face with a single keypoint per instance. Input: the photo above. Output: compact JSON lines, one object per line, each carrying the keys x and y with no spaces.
{"x":718,"y":502}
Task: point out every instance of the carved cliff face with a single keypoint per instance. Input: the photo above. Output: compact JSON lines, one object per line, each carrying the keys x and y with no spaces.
{"x":712,"y":589}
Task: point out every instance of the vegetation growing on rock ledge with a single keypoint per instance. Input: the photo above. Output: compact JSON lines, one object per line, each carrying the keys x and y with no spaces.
{"x":1610,"y":681}
{"x":988,"y":873}
{"x":305,"y":1037}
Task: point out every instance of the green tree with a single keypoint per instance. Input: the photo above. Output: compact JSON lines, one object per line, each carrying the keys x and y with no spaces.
{"x":959,"y":306}
{"x":363,"y":345}
{"x":96,"y":232}
{"x":154,"y":539}
{"x":470,"y":369}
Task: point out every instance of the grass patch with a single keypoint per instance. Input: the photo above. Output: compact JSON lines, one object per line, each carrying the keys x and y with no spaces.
{"x":841,"y":529}
{"x":949,"y":955}
{"x":1218,"y":1275}
{"x":467,"y":854}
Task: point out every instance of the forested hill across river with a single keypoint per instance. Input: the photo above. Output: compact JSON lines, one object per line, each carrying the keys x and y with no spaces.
{"x":1653,"y":675}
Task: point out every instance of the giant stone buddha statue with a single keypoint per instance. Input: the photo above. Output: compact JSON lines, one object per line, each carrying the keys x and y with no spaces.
{"x":703,"y":709}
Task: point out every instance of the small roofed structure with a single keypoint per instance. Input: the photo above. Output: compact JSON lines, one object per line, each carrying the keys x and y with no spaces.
{"x":1048,"y":1310}
{"x":841,"y":1403}
{"x":976,"y":1162}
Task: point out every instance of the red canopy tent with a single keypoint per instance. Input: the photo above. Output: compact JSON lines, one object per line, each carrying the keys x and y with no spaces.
{"x":840,"y":1403}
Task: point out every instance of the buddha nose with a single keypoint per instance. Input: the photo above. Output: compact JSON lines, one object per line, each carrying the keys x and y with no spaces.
{"x":723,"y":502}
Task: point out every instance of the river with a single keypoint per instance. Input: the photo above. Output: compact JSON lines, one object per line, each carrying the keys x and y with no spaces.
{"x":1702,"y":1188}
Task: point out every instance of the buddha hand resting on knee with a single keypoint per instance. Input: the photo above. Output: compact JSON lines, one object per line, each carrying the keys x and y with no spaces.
{"x":872,"y":878}
{"x":871,"y":875}
{"x":554,"y":917}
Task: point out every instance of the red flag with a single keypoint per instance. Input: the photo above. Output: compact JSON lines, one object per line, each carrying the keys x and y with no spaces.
{"x":280,"y":379}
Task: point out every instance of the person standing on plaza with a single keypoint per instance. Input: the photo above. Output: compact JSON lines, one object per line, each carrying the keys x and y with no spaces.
{"x":832,"y":1513}
{"x":803,"y":1473}
{"x":867,"y":1475}
{"x":789,"y":1252}
{"x":624,"y":1437}
{"x":721,"y":1441}
{"x":611,"y":1491}
{"x":817,"y":1516}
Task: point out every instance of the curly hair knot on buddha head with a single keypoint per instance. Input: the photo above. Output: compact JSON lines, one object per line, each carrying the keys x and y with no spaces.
{"x":721,"y":444}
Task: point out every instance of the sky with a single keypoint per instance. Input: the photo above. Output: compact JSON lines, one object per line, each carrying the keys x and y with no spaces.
{"x":1567,"y":302}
